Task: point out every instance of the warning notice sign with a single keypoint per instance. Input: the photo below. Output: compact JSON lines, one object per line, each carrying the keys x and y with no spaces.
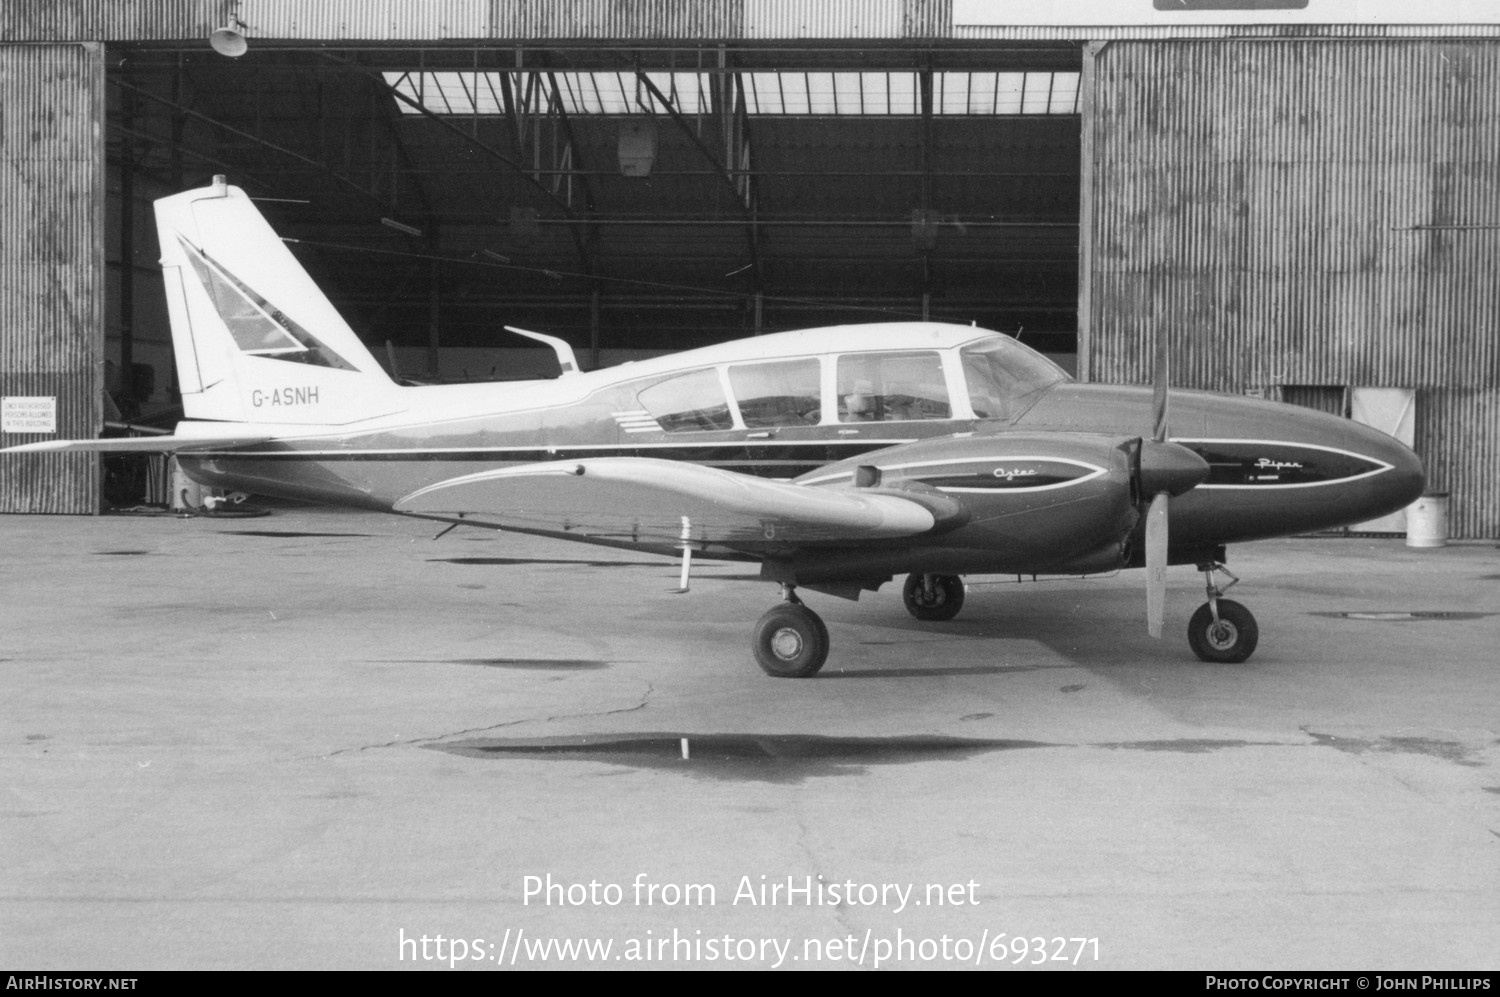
{"x":28,"y":414}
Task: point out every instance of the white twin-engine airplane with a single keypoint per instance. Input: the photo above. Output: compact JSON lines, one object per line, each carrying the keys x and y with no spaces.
{"x":836,"y":457}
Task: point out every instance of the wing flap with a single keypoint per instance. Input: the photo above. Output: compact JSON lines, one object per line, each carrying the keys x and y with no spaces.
{"x":649,"y":499}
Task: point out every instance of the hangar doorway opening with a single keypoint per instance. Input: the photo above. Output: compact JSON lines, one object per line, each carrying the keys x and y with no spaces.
{"x":632,"y":201}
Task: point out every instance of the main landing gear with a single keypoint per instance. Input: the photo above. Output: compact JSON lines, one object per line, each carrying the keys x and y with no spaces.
{"x":790,"y":640}
{"x":933,"y":597}
{"x":1222,"y":630}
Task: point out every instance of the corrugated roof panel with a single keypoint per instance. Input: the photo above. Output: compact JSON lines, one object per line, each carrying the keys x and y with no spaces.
{"x":677,"y":19}
{"x":823,"y":18}
{"x":372,"y":20}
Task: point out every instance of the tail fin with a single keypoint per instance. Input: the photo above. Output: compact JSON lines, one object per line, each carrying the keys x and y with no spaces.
{"x":255,"y":340}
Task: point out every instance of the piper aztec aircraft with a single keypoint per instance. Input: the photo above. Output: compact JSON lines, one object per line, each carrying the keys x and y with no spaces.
{"x":837,"y":458}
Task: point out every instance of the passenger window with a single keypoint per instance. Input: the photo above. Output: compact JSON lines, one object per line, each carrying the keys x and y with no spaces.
{"x":688,"y":402}
{"x":778,"y":394}
{"x":886,"y":387}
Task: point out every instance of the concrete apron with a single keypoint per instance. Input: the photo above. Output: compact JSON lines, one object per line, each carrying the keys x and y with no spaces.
{"x":323,"y":739}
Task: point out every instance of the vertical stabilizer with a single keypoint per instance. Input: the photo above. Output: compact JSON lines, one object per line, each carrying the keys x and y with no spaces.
{"x":254,"y":337}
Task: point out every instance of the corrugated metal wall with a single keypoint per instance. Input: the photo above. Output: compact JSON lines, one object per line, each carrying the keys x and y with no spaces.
{"x":693,"y":20}
{"x":1458,"y":436}
{"x":432,"y":20}
{"x":52,"y":264}
{"x":668,"y":20}
{"x":93,"y":20}
{"x":1304,"y":212}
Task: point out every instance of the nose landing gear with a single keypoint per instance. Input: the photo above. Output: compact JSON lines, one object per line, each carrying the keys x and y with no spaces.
{"x":1222,"y":630}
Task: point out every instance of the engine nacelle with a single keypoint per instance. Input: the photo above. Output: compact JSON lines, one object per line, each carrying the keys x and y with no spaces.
{"x":1054,"y":502}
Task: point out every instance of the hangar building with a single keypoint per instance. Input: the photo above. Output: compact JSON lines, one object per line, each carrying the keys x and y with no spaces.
{"x":1308,"y":208}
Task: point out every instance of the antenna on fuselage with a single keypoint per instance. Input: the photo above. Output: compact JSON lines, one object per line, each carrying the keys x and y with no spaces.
{"x":565,"y":358}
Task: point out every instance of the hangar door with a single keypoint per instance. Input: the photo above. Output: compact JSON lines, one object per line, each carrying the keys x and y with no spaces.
{"x":51,"y":271}
{"x":1303,"y":212}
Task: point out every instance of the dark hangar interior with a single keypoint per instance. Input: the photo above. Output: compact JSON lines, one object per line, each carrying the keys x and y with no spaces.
{"x":629,"y":199}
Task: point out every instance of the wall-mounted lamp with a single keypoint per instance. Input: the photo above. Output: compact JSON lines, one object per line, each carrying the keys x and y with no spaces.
{"x":230,"y":39}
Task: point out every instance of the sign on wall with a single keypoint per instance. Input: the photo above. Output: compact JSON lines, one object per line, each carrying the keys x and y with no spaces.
{"x":1173,"y":13}
{"x":28,"y":414}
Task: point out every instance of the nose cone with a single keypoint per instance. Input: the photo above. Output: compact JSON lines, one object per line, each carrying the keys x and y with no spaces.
{"x":1170,"y":468}
{"x":1285,"y":469}
{"x":1404,"y":481}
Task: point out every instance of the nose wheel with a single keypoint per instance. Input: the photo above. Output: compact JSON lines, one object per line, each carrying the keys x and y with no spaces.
{"x":933,"y":597}
{"x":1222,"y":630}
{"x":790,"y":640}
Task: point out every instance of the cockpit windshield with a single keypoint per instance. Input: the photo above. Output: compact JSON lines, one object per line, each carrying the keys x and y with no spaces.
{"x":1006,"y":378}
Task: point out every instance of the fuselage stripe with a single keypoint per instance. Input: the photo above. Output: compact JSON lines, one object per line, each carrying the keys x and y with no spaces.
{"x":1377,"y":466}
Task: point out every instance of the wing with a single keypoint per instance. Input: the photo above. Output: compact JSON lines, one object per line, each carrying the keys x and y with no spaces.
{"x":643,"y":498}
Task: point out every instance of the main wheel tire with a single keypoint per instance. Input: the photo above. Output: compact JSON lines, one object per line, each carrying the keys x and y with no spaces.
{"x":1229,"y":641}
{"x":942,"y":603}
{"x":790,"y":641}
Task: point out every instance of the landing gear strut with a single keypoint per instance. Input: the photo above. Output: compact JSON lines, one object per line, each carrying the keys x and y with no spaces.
{"x":933,"y":597}
{"x":790,"y":640}
{"x":1222,"y":630}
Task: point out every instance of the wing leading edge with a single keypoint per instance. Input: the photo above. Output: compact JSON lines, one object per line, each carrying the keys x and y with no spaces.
{"x":643,"y":498}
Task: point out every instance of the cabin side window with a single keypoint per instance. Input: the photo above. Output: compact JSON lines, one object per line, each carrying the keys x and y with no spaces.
{"x":887,"y":387}
{"x":688,"y":402}
{"x":783,"y":393}
{"x":1005,"y":378}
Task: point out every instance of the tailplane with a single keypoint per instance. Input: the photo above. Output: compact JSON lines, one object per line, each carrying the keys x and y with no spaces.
{"x":255,"y":339}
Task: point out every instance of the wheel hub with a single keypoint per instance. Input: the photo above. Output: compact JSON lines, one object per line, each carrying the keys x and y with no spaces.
{"x":786,"y":643}
{"x":1222,"y":635}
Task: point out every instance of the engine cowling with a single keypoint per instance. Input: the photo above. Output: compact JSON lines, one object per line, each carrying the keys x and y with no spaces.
{"x":1004,"y":502}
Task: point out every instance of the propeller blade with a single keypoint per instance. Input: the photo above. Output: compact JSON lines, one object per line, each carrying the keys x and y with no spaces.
{"x":1168,"y":470}
{"x":1156,"y":562}
{"x":1161,"y":374}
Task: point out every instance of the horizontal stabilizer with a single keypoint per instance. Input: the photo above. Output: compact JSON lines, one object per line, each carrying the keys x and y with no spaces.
{"x":142,"y":444}
{"x":639,"y":498}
